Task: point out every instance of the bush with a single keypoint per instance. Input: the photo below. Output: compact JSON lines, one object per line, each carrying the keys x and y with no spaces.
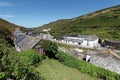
{"x":29,"y":57}
{"x":50,"y":48}
{"x":67,"y":60}
{"x":86,"y":68}
{"x":42,"y":56}
{"x":2,"y":76}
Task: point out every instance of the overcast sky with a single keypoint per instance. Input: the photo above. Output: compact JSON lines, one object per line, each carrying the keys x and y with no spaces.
{"x":34,"y":13}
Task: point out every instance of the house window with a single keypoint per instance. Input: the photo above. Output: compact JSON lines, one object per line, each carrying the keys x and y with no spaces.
{"x":79,"y":43}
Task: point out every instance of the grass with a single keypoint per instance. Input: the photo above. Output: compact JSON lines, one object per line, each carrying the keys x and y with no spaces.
{"x":54,"y":70}
{"x":68,"y":47}
{"x":118,"y":53}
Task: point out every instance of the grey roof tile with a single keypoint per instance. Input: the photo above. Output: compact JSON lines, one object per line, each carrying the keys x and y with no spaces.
{"x":91,"y":38}
{"x":28,"y":42}
{"x":19,"y":38}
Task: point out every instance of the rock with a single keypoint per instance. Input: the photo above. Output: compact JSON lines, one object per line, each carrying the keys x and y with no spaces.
{"x":107,"y":62}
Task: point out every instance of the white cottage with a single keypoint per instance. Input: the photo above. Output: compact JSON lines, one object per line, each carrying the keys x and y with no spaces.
{"x":90,"y":41}
{"x":82,"y":40}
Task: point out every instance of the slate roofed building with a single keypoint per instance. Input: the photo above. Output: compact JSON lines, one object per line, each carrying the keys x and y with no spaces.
{"x":111,"y":44}
{"x":28,"y":42}
{"x":23,"y":42}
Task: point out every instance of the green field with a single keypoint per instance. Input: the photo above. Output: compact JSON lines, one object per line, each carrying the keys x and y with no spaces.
{"x":54,"y":70}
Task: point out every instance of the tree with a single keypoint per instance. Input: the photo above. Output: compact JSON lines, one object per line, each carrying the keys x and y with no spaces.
{"x":50,"y":48}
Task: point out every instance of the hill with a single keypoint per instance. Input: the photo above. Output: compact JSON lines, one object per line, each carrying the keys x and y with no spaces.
{"x":6,"y":29}
{"x":8,"y":26}
{"x":104,"y":23}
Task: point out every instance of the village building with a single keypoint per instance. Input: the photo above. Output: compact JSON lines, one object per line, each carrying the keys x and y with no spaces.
{"x":23,"y":42}
{"x":32,"y":33}
{"x":82,"y":40}
{"x":45,"y":36}
{"x":112,"y":44}
{"x":46,"y":30}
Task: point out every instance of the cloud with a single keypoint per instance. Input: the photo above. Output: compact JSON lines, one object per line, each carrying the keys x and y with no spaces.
{"x":6,"y":4}
{"x":6,"y":16}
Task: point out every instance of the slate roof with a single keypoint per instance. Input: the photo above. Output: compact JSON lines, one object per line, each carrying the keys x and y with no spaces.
{"x":73,"y":40}
{"x":73,"y":35}
{"x":91,"y":38}
{"x":19,"y":38}
{"x":32,"y":33}
{"x":17,"y":32}
{"x":28,"y":42}
{"x":79,"y":36}
{"x":113,"y":42}
{"x":82,"y":36}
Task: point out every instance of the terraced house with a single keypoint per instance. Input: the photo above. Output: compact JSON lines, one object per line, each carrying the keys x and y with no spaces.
{"x":82,"y":40}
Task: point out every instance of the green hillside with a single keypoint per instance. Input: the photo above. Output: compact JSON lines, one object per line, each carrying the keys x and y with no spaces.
{"x":54,"y":70}
{"x":103,"y":23}
{"x":9,"y":26}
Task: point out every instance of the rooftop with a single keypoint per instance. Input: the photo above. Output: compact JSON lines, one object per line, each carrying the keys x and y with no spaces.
{"x":91,"y":38}
{"x":28,"y":42}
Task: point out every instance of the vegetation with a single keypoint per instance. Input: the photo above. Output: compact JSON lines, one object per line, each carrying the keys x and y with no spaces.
{"x":50,"y":48}
{"x":103,"y":23}
{"x":83,"y":66}
{"x":54,"y":70}
{"x":9,"y":26}
{"x":16,"y":65}
{"x":86,"y":68}
{"x":20,"y":65}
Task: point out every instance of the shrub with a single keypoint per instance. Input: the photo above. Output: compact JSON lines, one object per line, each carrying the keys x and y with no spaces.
{"x":42,"y":56}
{"x":2,"y":76}
{"x":50,"y":48}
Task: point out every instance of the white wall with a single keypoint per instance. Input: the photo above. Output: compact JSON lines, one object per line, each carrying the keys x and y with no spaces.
{"x":92,"y":43}
{"x":84,"y":43}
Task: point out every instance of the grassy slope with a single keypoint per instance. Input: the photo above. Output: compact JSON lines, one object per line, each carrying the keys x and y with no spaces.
{"x":53,"y":70}
{"x":9,"y":26}
{"x":103,"y":23}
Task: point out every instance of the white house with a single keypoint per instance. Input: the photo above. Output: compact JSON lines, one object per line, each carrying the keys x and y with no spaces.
{"x":82,"y":40}
{"x":90,"y":41}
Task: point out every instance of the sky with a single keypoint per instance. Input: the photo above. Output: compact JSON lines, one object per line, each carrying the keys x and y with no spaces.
{"x":34,"y":13}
